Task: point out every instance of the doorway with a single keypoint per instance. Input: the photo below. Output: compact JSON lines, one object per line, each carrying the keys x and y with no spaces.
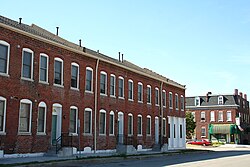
{"x":120,"y":127}
{"x":56,"y":124}
{"x":156,"y":130}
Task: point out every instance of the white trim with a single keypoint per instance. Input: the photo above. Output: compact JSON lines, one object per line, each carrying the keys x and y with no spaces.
{"x":164,"y":100}
{"x":47,"y":70}
{"x":158,"y":98}
{"x":75,"y":108}
{"x":139,"y":83}
{"x":170,"y":101}
{"x":32,"y":68}
{"x":113,"y":75}
{"x":90,"y":124}
{"x":113,"y":127}
{"x":212,"y":113}
{"x":102,"y":111}
{"x":220,"y":113}
{"x":132,"y":84}
{"x":150,"y":94}
{"x":8,"y":57}
{"x":105,"y":89}
{"x":130,"y":115}
{"x":204,"y":116}
{"x":176,"y":101}
{"x":182,"y":103}
{"x":42,"y":104}
{"x":150,"y":125}
{"x":139,"y":115}
{"x":229,"y":120}
{"x":4,"y":115}
{"x":91,"y":86}
{"x":25,"y":101}
{"x":121,"y":78}
{"x":60,"y":60}
{"x":77,"y":82}
{"x":220,"y":99}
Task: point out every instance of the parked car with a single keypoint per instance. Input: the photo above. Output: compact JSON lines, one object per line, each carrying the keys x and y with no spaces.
{"x":200,"y":142}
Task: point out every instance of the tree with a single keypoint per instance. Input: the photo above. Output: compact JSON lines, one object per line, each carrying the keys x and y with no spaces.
{"x":190,"y":125}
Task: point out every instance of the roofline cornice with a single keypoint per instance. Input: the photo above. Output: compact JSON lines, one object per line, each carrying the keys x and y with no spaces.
{"x":212,"y":106}
{"x":86,"y":54}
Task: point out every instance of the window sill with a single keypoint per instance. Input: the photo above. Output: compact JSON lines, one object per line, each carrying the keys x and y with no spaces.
{"x":131,"y":100}
{"x":140,"y":101}
{"x":139,"y":135}
{"x":149,"y":104}
{"x":87,"y":134}
{"x":87,"y":91}
{"x":111,"y":134}
{"x":157,"y":105}
{"x":103,"y":135}
{"x":103,"y":94}
{"x":60,"y":86}
{"x":2,"y":133}
{"x":27,"y":79}
{"x":4,"y":74}
{"x":122,"y":98}
{"x":24,"y":134}
{"x":43,"y":82}
{"x":73,"y":134}
{"x":113,"y":96}
{"x":41,"y":134}
{"x":76,"y":89}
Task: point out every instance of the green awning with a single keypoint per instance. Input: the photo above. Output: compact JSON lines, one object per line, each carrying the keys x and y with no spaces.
{"x":222,"y":129}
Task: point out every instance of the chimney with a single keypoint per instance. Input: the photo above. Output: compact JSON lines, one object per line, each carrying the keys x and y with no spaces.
{"x":122,"y":57}
{"x":240,"y":94}
{"x":84,"y":49}
{"x":20,"y":20}
{"x":80,"y":42}
{"x":245,"y":96}
{"x":207,"y":96}
{"x":119,"y":56}
{"x":235,"y":91}
{"x":57,"y":28}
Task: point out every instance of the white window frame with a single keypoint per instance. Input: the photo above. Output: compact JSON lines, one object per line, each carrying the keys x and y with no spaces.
{"x":42,"y":104}
{"x":197,"y":101}
{"x":170,"y":100}
{"x":139,"y":134}
{"x":105,"y":113}
{"x":164,"y":104}
{"x":229,"y":119}
{"x":112,"y":76}
{"x":220,"y":116}
{"x":8,"y":58}
{"x":119,"y":96}
{"x":149,"y":95}
{"x":157,"y":98}
{"x":212,"y":116}
{"x":4,"y":115}
{"x":182,"y":103}
{"x":90,"y":123}
{"x":130,"y":115}
{"x":105,"y":86}
{"x":220,"y":100}
{"x":47,"y":70}
{"x":32,"y":62}
{"x":91,"y":86}
{"x":62,"y":71}
{"x":25,"y":101}
{"x":113,"y":129}
{"x":205,"y":131}
{"x":203,"y":113}
{"x":140,"y":101}
{"x":176,"y":101}
{"x":77,"y":82}
{"x":150,"y":125}
{"x":132,"y":87}
{"x":74,"y":133}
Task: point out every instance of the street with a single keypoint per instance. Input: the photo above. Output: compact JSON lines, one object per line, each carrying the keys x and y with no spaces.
{"x":212,"y":159}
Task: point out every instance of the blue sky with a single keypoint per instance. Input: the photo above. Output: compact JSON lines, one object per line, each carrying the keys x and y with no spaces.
{"x":204,"y":45}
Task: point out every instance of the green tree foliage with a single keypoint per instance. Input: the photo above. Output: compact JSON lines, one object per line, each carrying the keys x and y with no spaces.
{"x":190,"y":125}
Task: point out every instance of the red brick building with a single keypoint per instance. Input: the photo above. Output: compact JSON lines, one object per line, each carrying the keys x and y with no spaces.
{"x":53,"y":90}
{"x":221,"y":117}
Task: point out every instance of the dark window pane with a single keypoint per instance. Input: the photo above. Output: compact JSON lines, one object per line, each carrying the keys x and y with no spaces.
{"x":3,"y":58}
{"x":2,"y":106}
{"x":27,"y":58}
{"x":74,"y":75}
{"x":41,"y":118}
{"x":58,"y":72}
{"x":43,"y":69}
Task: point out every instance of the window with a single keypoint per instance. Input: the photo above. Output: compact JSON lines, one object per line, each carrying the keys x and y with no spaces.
{"x":181,"y":130}
{"x":88,"y":121}
{"x":2,"y":114}
{"x":197,"y":101}
{"x":121,"y":87}
{"x":148,"y":125}
{"x":140,"y":92}
{"x":4,"y":57}
{"x":148,"y":94}
{"x":73,"y":120}
{"x":43,"y":71}
{"x":212,"y":116}
{"x":89,"y":79}
{"x":112,"y":85}
{"x":220,"y":117}
{"x":176,"y":102}
{"x":182,"y":103}
{"x":130,"y":89}
{"x":139,"y":125}
{"x":229,"y":116}
{"x":203,"y":131}
{"x":74,"y":76}
{"x":157,"y":96}
{"x":164,"y":127}
{"x":193,"y":113}
{"x":170,"y":100}
{"x":25,"y":116}
{"x":41,"y":123}
{"x":58,"y":71}
{"x":103,"y":83}
{"x":111,"y":122}
{"x":130,"y":124}
{"x":102,"y":122}
{"x":220,"y":100}
{"x":164,"y":98}
{"x":203,"y":116}
{"x":27,"y":64}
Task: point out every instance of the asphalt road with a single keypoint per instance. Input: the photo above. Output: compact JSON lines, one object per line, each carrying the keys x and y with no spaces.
{"x":206,"y":159}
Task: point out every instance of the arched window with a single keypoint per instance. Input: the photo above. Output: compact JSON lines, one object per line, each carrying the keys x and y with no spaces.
{"x":4,"y":58}
{"x":41,"y":118}
{"x":25,"y":114}
{"x":2,"y":114}
{"x":102,"y":122}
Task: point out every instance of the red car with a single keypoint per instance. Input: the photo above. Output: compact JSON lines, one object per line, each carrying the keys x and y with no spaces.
{"x":200,"y":142}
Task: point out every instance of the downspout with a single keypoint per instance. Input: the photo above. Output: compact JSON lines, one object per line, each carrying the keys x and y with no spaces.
{"x":96,"y":83}
{"x":161,"y":108}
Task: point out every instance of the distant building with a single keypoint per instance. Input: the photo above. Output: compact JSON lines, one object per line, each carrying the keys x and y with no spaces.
{"x":221,"y":117}
{"x":53,"y":91}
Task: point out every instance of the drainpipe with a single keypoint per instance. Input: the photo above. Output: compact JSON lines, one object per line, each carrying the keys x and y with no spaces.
{"x":96,"y":82}
{"x":161,"y":108}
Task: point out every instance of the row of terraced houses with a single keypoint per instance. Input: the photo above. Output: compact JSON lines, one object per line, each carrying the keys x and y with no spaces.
{"x":53,"y":91}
